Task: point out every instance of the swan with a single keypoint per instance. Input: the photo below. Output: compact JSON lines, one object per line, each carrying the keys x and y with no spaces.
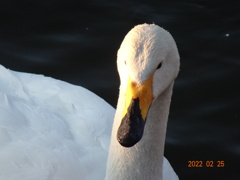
{"x":148,"y":62}
{"x":52,"y":130}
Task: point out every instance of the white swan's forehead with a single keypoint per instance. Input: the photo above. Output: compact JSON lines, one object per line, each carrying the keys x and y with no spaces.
{"x":142,"y":50}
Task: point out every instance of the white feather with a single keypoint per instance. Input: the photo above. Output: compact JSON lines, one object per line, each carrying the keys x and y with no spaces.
{"x":50,"y":129}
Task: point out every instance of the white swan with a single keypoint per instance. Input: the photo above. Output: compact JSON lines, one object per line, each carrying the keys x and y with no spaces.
{"x":148,"y":62}
{"x":52,"y":130}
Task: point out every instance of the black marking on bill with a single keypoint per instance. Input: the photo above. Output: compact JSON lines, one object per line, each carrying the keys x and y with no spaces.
{"x":131,"y":128}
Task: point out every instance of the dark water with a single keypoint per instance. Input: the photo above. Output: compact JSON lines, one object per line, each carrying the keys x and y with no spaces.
{"x":77,"y":41}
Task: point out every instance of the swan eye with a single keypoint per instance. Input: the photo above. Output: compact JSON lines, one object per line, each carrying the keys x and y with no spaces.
{"x":160,"y":65}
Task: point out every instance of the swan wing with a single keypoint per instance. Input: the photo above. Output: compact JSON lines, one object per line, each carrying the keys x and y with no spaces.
{"x":50,"y":129}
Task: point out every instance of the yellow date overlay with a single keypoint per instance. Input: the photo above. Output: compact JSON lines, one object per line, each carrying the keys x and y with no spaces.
{"x":209,"y":164}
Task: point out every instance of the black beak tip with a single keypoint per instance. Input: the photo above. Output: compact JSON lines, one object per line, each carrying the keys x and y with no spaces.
{"x":131,"y":128}
{"x":126,"y":141}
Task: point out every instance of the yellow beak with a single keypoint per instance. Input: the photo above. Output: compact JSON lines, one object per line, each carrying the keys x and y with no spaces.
{"x":143,"y":92}
{"x":137,"y":104}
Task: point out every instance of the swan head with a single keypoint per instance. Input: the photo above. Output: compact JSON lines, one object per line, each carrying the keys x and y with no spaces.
{"x":148,"y":62}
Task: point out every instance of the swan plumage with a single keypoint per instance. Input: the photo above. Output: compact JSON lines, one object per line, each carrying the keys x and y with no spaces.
{"x":50,"y":129}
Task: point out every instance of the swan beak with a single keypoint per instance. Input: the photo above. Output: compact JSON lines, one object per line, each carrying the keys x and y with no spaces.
{"x":138,"y":101}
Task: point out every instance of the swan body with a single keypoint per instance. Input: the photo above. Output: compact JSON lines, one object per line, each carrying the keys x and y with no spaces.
{"x":52,"y":130}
